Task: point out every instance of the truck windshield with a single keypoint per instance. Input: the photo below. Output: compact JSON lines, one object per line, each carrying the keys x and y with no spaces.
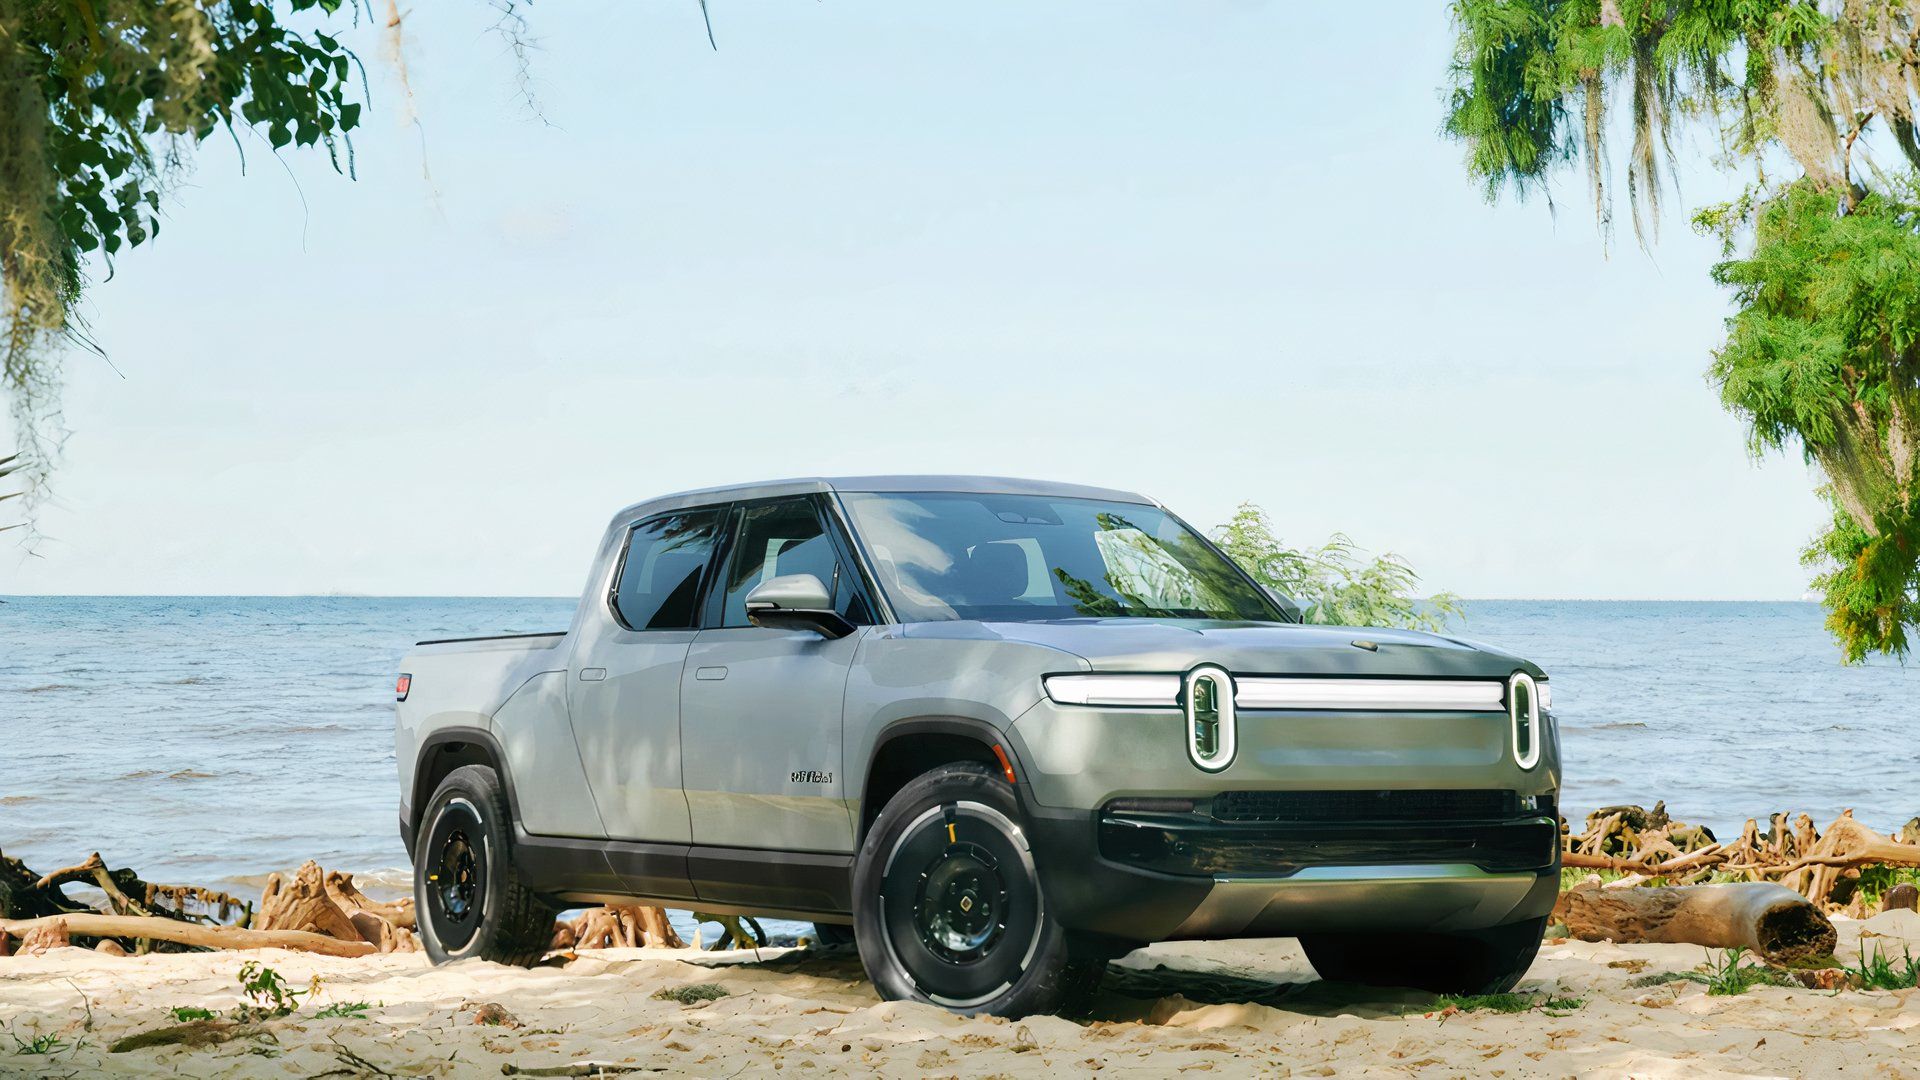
{"x":1028,"y":558}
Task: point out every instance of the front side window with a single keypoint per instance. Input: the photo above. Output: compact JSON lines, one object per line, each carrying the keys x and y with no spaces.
{"x":781,"y":538}
{"x":946,"y":555}
{"x":659,"y":586}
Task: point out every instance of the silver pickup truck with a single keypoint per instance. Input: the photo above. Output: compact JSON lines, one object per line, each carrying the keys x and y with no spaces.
{"x":1003,"y":730}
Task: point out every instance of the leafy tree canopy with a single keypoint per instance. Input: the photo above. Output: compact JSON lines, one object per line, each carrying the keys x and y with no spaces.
{"x":1334,"y":583}
{"x":101,"y":101}
{"x":1814,"y":103}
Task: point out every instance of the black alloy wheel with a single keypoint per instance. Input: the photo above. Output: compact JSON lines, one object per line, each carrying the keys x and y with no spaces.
{"x":471,"y":899}
{"x":948,"y":907}
{"x":459,"y":866}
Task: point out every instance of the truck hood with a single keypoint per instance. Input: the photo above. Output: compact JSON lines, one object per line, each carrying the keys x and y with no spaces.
{"x":1262,"y":648}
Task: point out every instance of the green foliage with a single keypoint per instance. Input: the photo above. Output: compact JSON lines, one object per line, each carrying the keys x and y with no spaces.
{"x":691,"y":993}
{"x":101,"y":102}
{"x":1875,"y":880}
{"x":1822,"y":350}
{"x":1334,"y":583}
{"x":1508,"y":1003}
{"x":344,"y":1010}
{"x":267,"y":993}
{"x":48,"y":1044}
{"x":1729,"y":975}
{"x":1876,"y":971}
{"x":184,"y":1013}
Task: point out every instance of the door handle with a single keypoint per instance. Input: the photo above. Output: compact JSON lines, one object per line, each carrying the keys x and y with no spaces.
{"x":592,"y":674}
{"x":710,"y":674}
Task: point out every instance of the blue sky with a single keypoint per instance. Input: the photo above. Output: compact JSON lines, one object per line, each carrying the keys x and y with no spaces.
{"x":1214,"y":251}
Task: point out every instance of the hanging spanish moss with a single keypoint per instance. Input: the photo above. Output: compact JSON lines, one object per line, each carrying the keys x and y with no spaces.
{"x":1813,"y":104}
{"x":101,"y":102}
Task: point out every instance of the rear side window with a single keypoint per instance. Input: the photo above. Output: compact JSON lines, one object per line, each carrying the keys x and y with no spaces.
{"x":662,"y":570}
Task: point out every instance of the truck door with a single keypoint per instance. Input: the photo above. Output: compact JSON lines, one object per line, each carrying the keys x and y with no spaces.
{"x":625,"y":676}
{"x":760,"y":710}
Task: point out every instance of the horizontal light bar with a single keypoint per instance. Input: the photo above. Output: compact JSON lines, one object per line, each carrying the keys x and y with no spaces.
{"x":1126,"y":690}
{"x":1399,"y":695}
{"x":1446,"y":695}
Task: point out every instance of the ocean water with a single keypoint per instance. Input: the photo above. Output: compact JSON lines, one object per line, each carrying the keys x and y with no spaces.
{"x":211,"y":740}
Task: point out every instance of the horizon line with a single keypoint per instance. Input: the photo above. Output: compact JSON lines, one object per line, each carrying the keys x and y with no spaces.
{"x":542,"y":596}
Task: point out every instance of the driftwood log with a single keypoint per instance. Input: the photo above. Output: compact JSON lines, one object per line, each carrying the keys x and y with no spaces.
{"x":183,"y":933}
{"x":312,"y":911}
{"x":1769,"y":920}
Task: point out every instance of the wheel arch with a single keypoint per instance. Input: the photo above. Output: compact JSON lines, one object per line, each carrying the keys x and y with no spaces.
{"x":448,"y":749}
{"x":912,"y":747}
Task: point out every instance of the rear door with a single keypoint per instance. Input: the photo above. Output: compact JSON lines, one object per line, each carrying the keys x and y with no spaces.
{"x":625,"y":675}
{"x":760,"y":710}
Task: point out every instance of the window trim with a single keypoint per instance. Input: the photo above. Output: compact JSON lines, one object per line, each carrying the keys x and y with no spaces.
{"x":720,"y":511}
{"x":713,"y":608}
{"x":879,"y":604}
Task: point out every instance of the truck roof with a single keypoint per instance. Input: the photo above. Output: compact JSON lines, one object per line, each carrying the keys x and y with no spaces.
{"x":985,"y":485}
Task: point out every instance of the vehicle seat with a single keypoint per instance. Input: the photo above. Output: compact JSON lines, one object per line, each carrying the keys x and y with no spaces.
{"x":994,"y":574}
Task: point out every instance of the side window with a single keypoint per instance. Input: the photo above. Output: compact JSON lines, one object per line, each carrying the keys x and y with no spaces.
{"x":661,"y":572}
{"x":780,"y":538}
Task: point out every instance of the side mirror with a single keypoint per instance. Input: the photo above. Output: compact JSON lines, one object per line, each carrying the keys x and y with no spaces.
{"x":796,"y":602}
{"x":1288,"y":606}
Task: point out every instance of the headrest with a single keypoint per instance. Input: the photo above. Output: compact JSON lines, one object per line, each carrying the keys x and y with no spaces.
{"x":995,"y":573}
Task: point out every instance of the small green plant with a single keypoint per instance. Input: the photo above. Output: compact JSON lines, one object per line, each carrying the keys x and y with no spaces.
{"x":692,"y":993}
{"x":347,"y":1010}
{"x":1506,"y":1003}
{"x":1729,"y":975}
{"x":1876,"y":971}
{"x":48,"y":1044}
{"x":267,"y":993}
{"x":185,"y":1013}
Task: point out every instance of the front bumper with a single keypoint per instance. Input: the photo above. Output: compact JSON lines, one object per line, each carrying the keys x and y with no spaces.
{"x":1165,"y":877}
{"x":1197,"y":844}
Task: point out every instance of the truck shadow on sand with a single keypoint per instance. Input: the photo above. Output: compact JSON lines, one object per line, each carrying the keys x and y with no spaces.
{"x":1148,"y":994}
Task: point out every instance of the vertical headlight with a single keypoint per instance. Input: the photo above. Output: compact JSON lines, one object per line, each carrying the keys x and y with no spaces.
{"x":1523,"y":711}
{"x":1210,"y":715}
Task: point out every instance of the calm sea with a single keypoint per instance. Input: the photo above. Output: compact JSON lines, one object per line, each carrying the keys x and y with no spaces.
{"x":213,"y":739}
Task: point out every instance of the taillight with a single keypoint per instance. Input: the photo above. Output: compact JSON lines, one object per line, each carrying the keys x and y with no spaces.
{"x":401,"y":685}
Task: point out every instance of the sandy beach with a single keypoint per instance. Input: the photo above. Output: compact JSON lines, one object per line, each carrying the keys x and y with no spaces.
{"x":1219,"y":1008}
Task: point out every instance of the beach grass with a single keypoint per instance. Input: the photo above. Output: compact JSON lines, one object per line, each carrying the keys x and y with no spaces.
{"x":1726,"y":975}
{"x":1876,"y":970}
{"x":1507,"y":1003}
{"x":691,"y":993}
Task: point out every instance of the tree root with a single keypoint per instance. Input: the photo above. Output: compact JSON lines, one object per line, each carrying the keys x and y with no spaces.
{"x":1820,"y":867}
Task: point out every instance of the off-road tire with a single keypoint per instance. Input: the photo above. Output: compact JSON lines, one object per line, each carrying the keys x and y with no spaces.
{"x":947,"y":907}
{"x":1472,"y":962}
{"x":484,"y":911}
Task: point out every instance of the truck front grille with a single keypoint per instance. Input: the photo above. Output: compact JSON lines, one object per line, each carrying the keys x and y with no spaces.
{"x":1304,"y":807}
